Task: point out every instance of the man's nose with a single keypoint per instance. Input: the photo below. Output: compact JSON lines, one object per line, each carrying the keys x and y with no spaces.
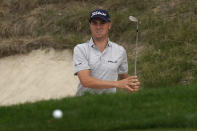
{"x":98,"y":25}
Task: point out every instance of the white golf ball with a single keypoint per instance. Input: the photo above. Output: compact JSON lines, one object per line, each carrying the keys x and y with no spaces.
{"x":57,"y":114}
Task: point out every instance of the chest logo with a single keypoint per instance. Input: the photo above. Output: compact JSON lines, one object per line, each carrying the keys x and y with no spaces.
{"x":110,"y":61}
{"x":78,"y":64}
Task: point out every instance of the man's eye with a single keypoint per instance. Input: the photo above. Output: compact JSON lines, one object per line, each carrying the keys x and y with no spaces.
{"x":98,"y":23}
{"x":103,"y":22}
{"x":94,"y":23}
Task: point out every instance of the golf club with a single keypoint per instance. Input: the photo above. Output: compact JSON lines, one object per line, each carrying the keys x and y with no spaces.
{"x":133,"y":19}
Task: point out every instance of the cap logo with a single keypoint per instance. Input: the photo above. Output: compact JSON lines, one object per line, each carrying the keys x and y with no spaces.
{"x":98,"y":13}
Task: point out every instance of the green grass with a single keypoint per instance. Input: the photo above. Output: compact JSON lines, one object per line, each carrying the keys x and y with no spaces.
{"x":171,"y":108}
{"x":166,"y":129}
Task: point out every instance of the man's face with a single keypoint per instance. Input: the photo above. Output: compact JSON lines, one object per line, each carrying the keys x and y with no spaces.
{"x":99,"y":28}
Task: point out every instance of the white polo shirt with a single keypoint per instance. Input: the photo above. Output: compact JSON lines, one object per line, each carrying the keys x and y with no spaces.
{"x":104,"y":65}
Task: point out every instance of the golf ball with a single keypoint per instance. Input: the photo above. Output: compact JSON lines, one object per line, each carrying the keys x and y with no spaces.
{"x":57,"y":114}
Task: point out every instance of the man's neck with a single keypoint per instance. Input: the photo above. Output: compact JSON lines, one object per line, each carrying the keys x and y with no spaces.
{"x":101,"y":43}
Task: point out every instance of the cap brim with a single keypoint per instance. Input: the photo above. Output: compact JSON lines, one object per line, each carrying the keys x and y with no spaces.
{"x":100,"y":17}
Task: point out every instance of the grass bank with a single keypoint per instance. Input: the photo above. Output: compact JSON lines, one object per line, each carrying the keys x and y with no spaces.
{"x":173,"y":108}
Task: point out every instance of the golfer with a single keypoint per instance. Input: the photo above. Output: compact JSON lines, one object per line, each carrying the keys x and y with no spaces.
{"x":100,"y":64}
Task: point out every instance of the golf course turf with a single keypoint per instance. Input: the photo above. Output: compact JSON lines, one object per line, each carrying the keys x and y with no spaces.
{"x":170,"y":108}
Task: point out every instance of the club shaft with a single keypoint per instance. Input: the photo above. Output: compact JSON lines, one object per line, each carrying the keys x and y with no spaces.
{"x":136,"y":46}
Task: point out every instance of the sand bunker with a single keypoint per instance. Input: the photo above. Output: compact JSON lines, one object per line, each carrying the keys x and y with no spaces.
{"x":39,"y":75}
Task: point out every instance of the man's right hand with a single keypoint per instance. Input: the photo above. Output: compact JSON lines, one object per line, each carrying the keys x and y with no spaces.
{"x":130,"y":84}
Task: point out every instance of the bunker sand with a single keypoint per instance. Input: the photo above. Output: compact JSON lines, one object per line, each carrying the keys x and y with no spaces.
{"x":39,"y":75}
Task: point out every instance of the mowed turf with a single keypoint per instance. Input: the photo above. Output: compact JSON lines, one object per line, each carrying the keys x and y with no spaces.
{"x":171,"y":108}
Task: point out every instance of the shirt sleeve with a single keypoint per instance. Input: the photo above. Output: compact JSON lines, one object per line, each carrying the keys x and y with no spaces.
{"x":123,"y":68}
{"x":80,"y":60}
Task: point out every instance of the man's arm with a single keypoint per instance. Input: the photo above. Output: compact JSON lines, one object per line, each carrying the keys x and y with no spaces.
{"x":88,"y":81}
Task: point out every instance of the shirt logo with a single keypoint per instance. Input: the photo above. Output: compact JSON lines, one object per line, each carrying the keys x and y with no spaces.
{"x":110,"y":61}
{"x":78,"y":64}
{"x":98,"y":13}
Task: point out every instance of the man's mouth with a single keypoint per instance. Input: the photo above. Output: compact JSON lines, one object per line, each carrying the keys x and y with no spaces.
{"x":98,"y":32}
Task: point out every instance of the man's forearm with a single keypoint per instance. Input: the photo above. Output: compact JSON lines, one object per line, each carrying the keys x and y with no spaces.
{"x":130,"y":83}
{"x":92,"y":82}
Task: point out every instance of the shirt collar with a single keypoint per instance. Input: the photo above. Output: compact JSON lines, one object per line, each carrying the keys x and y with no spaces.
{"x":91,"y":43}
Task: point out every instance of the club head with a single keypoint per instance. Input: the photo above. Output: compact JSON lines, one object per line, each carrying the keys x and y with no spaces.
{"x":131,"y":18}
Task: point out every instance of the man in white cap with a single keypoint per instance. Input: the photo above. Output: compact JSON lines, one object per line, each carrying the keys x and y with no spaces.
{"x":101,"y":65}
